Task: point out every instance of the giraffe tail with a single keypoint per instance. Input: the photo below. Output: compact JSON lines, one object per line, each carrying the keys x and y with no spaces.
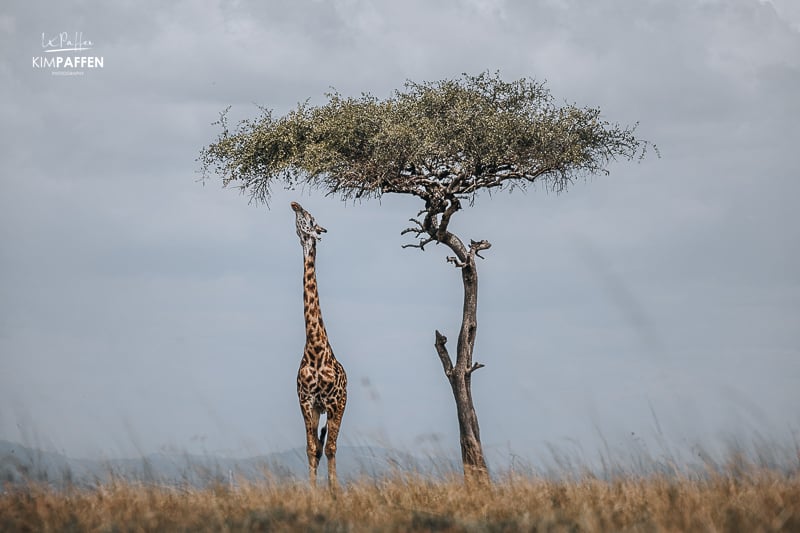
{"x":322,"y":433}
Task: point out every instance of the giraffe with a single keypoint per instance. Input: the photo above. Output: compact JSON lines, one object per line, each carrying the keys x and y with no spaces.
{"x":321,"y":379}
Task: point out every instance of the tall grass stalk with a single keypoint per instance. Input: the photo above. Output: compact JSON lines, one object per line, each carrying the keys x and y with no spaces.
{"x":741,"y":498}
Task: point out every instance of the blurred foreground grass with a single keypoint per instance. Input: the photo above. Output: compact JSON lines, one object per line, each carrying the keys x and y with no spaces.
{"x":746,"y":499}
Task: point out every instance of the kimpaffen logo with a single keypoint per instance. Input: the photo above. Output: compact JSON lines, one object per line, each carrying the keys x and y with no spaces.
{"x":64,"y":54}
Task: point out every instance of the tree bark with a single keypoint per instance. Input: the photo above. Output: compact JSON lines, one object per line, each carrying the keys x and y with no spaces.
{"x":460,"y":374}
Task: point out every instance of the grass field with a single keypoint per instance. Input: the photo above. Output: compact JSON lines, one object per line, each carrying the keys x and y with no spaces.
{"x":742,"y":499}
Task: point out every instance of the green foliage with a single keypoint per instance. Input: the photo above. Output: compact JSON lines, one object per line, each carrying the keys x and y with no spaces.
{"x":441,"y":141}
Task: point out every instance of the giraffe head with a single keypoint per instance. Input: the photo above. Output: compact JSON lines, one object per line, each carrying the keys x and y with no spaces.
{"x":307,"y":228}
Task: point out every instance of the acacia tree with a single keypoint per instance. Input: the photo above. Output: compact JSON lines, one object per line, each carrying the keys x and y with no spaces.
{"x":443,"y":142}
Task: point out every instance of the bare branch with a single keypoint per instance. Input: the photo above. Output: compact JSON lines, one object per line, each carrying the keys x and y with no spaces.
{"x":475,"y":367}
{"x":477,"y":246}
{"x":416,"y":231}
{"x":441,"y":349}
{"x":456,"y":262}
{"x":474,"y":248}
{"x":420,"y":245}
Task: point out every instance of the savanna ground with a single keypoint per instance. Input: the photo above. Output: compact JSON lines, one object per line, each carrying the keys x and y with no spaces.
{"x":747,"y":499}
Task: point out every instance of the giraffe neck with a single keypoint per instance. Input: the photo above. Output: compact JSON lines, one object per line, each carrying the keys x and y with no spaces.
{"x":316,"y":336}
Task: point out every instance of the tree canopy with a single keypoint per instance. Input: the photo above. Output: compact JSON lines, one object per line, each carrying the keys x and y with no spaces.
{"x":442,"y":141}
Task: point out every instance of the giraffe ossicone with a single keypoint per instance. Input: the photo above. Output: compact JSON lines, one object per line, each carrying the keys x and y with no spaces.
{"x":321,"y":379}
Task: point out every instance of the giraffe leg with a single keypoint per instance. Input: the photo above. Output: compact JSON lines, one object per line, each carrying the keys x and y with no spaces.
{"x":334,"y":421}
{"x":313,"y":444}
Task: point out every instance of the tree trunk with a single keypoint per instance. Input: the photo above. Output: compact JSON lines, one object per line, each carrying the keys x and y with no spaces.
{"x":460,"y":374}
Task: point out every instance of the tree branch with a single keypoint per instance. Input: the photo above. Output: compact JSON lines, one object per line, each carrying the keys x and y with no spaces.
{"x":477,"y":246}
{"x":456,"y":261}
{"x":420,"y":245}
{"x":416,"y":230}
{"x":453,"y":205}
{"x":474,"y":248}
{"x":475,"y":367}
{"x":441,"y":349}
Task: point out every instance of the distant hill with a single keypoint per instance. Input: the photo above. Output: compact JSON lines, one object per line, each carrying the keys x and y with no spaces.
{"x":19,"y":464}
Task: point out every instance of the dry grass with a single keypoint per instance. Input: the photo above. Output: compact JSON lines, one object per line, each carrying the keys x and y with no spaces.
{"x":755,"y":500}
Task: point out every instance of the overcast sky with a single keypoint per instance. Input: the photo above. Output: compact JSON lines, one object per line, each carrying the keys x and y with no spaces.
{"x":141,"y":310}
